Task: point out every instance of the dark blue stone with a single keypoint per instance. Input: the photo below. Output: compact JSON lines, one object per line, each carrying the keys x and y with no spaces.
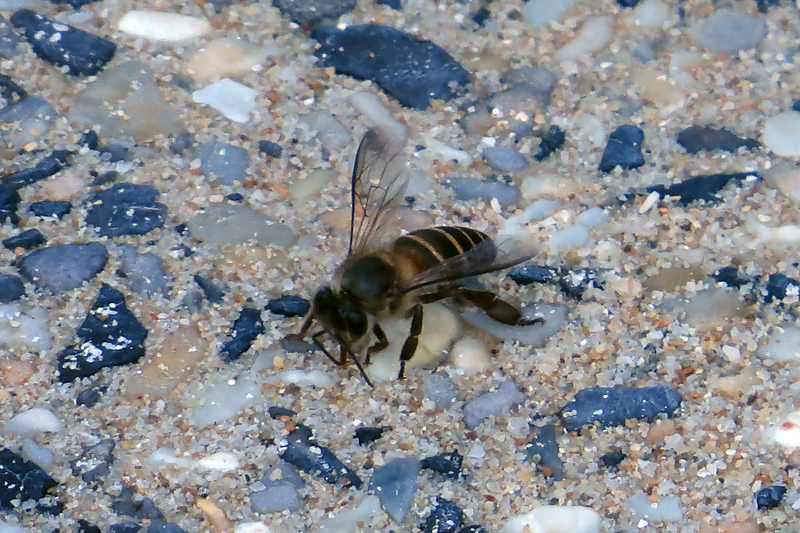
{"x":64,"y":267}
{"x":695,"y":139}
{"x":26,"y":240}
{"x":86,"y":527}
{"x":289,"y":305}
{"x":128,"y":504}
{"x":448,"y":464}
{"x":74,"y":4}
{"x":545,"y":446}
{"x":411,"y":70}
{"x":628,"y":3}
{"x":575,"y":282}
{"x":113,"y":153}
{"x":90,"y":139}
{"x":235,"y":197}
{"x":525,"y":275}
{"x":62,"y":45}
{"x":109,"y":336}
{"x":125,"y":527}
{"x":624,"y":149}
{"x":770,"y":497}
{"x":778,"y":286}
{"x":90,"y":397}
{"x":9,"y":89}
{"x":245,"y":330}
{"x":613,"y":406}
{"x":21,"y":479}
{"x":277,"y":412}
{"x":50,"y":208}
{"x":699,"y":187}
{"x":11,"y":288}
{"x":210,"y":290}
{"x":312,"y":13}
{"x":270,"y":149}
{"x":9,"y":204}
{"x":45,"y":168}
{"x":126,"y":209}
{"x":445,"y":517}
{"x":480,"y":16}
{"x":368,"y":435}
{"x":302,"y":451}
{"x":393,"y":4}
{"x":163,"y":527}
{"x":732,"y":277}
{"x":612,"y":459}
{"x":551,"y":141}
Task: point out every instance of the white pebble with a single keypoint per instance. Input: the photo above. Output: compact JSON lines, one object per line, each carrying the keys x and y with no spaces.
{"x":437,"y":147}
{"x":594,"y":34}
{"x":314,"y":378}
{"x":782,"y":345}
{"x":25,"y":330}
{"x":232,"y":99}
{"x":471,"y":355}
{"x":167,"y":456}
{"x":347,"y":520}
{"x":539,"y":13}
{"x":36,"y":420}
{"x":665,"y":508}
{"x":379,"y":116}
{"x":222,"y":461}
{"x":477,"y":452}
{"x":556,"y":519}
{"x":782,"y":134}
{"x":38,"y":454}
{"x":786,"y":431}
{"x":591,"y":218}
{"x":5,"y":527}
{"x":162,"y":26}
{"x":252,"y":527}
{"x":569,"y":237}
{"x":651,"y":13}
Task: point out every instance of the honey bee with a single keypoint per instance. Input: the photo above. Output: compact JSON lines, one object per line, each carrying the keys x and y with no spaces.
{"x":421,"y":267}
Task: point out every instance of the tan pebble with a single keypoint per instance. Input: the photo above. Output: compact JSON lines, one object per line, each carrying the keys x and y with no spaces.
{"x":471,"y":355}
{"x":225,"y":58}
{"x":737,"y":385}
{"x":278,"y":362}
{"x":716,"y":307}
{"x":63,"y":187}
{"x":657,"y":90}
{"x":745,"y":526}
{"x":14,"y":372}
{"x":672,"y":278}
{"x":659,"y":430}
{"x":785,"y":176}
{"x":215,"y":516}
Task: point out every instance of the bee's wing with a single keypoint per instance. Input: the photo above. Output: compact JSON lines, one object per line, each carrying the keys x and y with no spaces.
{"x":485,"y":257}
{"x":377,"y":186}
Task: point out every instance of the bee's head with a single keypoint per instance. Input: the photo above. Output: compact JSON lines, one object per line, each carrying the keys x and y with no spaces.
{"x":340,"y":315}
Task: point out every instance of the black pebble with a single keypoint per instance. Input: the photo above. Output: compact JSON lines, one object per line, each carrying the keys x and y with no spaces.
{"x":551,"y":141}
{"x":114,"y":152}
{"x":279,"y":412}
{"x":10,"y":90}
{"x":314,"y":12}
{"x":445,"y":517}
{"x":289,"y":305}
{"x":103,"y":342}
{"x":182,"y":230}
{"x":106,"y":177}
{"x":49,"y":165}
{"x":210,"y":290}
{"x":612,"y":406}
{"x":9,"y":203}
{"x":575,"y":282}
{"x":270,"y":149}
{"x":129,"y":504}
{"x":474,"y":529}
{"x":26,"y":240}
{"x":447,"y":464}
{"x":74,"y":4}
{"x":796,"y":106}
{"x":245,"y":330}
{"x":698,"y":138}
{"x":624,"y":149}
{"x":94,"y":464}
{"x":21,"y":479}
{"x":480,"y":16}
{"x":163,"y":527}
{"x":763,"y":7}
{"x":62,"y":45}
{"x":126,"y":209}
{"x":90,"y":139}
{"x":50,"y":208}
{"x":778,"y":286}
{"x":545,"y":446}
{"x":732,"y":277}
{"x":393,"y":4}
{"x":612,"y":459}
{"x":86,"y":527}
{"x":368,"y":435}
{"x":11,"y":288}
{"x":696,"y":188}
{"x":90,"y":397}
{"x":770,"y":497}
{"x":181,"y":143}
{"x":235,"y":197}
{"x":525,"y":275}
{"x":125,"y":527}
{"x":411,"y":70}
{"x":301,"y":450}
{"x":628,"y":3}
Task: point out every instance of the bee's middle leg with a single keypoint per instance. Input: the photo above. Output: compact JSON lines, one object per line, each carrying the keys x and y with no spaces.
{"x":410,"y":346}
{"x":492,"y":305}
{"x":380,"y":345}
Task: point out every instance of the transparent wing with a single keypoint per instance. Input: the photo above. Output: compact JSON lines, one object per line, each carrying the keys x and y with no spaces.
{"x":485,"y":257}
{"x":377,"y":187}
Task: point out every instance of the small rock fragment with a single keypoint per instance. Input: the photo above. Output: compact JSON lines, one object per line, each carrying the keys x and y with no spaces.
{"x":445,"y":517}
{"x":575,"y":282}
{"x":781,"y":134}
{"x":48,"y":166}
{"x":527,"y":274}
{"x":144,"y":271}
{"x":277,"y":496}
{"x":770,"y":497}
{"x":225,"y":57}
{"x":79,"y":52}
{"x":698,"y":138}
{"x":245,"y":330}
{"x":234,"y":100}
{"x":90,"y":397}
{"x":212,"y":293}
{"x":230,"y":224}
{"x":50,"y":208}
{"x":448,"y":464}
{"x":469,"y":189}
{"x":556,"y":519}
{"x":368,"y":435}
{"x":161,"y":26}
{"x":128,"y":503}
{"x":395,"y":484}
{"x":504,"y":159}
{"x":551,"y":141}
{"x":612,"y":406}
{"x":103,"y":341}
{"x":270,"y":149}
{"x":21,"y":480}
{"x":300,"y":449}
{"x":664,"y":508}
{"x":545,"y":446}
{"x":11,"y":288}
{"x":225,"y":162}
{"x":312,"y":13}
{"x":728,"y":31}
{"x":64,"y":267}
{"x":411,"y":70}
{"x":26,"y":240}
{"x":277,"y":412}
{"x":289,"y":305}
{"x":94,"y":463}
{"x":612,"y":459}
{"x":624,"y":149}
{"x":127,"y":209}
{"x":32,"y":421}
{"x":779,"y":287}
{"x":696,"y":188}
{"x":732,"y":277}
{"x":492,"y":403}
{"x":440,"y":389}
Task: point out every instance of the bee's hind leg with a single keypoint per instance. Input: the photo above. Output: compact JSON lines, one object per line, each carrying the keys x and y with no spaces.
{"x":492,"y":305}
{"x":410,"y":346}
{"x":380,"y":345}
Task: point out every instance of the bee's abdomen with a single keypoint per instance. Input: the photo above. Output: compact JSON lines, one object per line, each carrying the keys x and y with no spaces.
{"x":429,"y":247}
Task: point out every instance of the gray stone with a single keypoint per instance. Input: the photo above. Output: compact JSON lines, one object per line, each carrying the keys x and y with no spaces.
{"x":483,"y":189}
{"x":64,"y":267}
{"x":144,"y":271}
{"x":440,"y":389}
{"x":395,"y":484}
{"x":279,"y":495}
{"x":223,"y":224}
{"x":224,"y":162}
{"x":504,"y":159}
{"x":494,"y":403}
{"x":728,"y":31}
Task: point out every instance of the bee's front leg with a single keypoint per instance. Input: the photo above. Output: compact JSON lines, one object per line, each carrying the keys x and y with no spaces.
{"x":380,"y":345}
{"x":410,"y":346}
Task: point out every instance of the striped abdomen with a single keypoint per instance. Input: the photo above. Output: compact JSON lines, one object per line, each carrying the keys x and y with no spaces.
{"x":428,"y":247}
